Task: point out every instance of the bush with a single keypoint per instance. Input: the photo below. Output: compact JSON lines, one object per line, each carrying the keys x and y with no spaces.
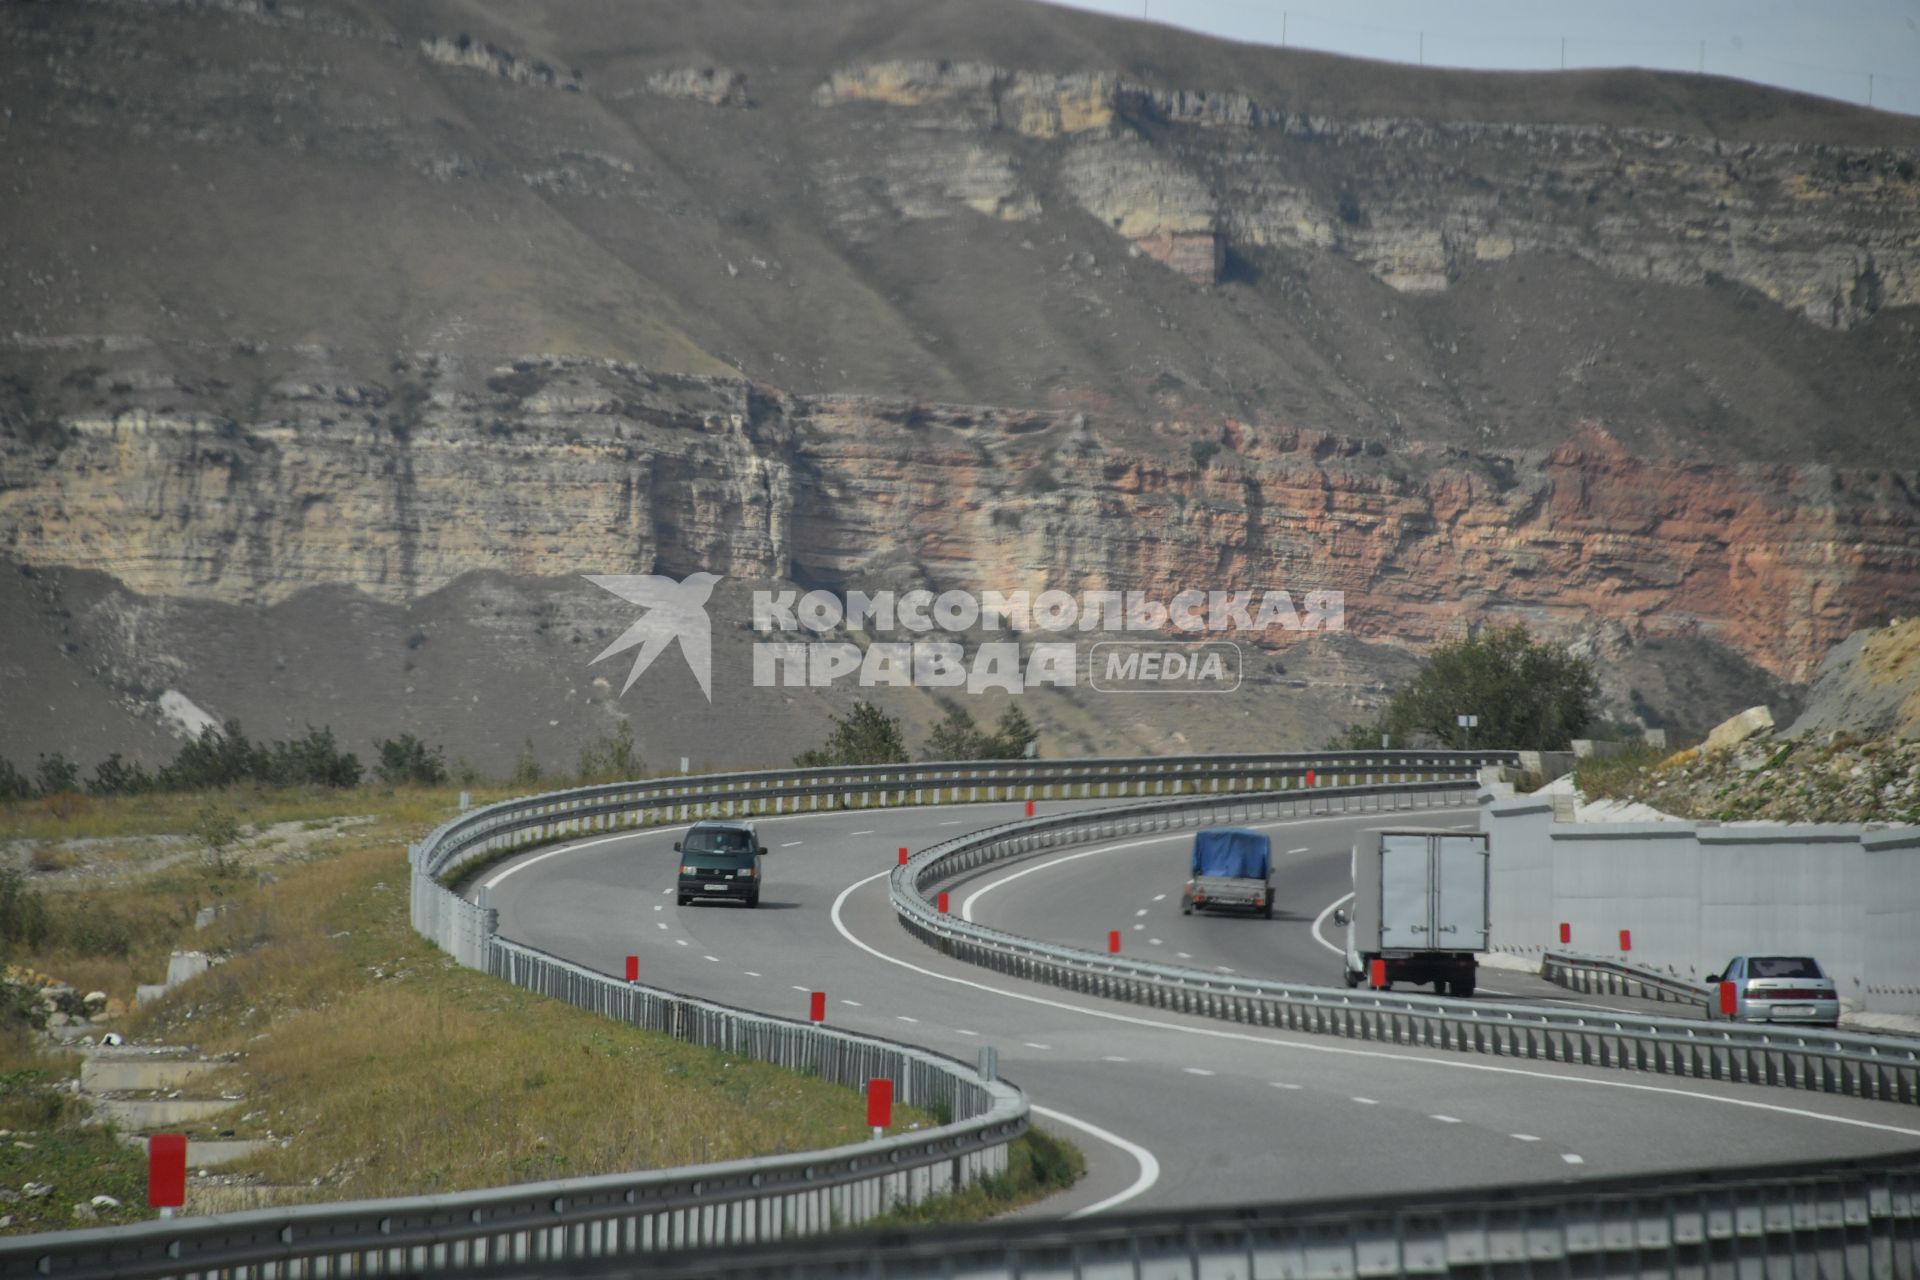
{"x":407,"y":759}
{"x":865,"y":735}
{"x":57,"y":775}
{"x":526,"y":767}
{"x":1202,"y":451}
{"x":115,"y":777}
{"x":315,"y":760}
{"x":611,"y":758}
{"x":218,"y":757}
{"x":14,"y":785}
{"x":23,"y":916}
{"x":218,"y":833}
{"x":1529,"y":695}
{"x":957,"y":737}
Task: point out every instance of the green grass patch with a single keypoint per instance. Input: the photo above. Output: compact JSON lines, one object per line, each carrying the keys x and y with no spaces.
{"x":1617,"y":777}
{"x":1038,"y":1164}
{"x":50,"y":1145}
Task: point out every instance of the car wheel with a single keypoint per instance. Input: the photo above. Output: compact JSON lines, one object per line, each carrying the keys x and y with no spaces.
{"x":754,"y":901}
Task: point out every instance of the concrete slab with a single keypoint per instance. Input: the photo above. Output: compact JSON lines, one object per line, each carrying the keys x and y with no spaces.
{"x":102,"y":1074}
{"x":145,"y":1115}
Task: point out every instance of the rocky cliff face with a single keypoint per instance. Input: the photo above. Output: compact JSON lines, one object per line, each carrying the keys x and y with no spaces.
{"x":1823,"y":231}
{"x":557,"y":467}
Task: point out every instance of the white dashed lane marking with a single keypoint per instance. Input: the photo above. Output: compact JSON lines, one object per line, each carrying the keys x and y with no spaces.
{"x":1282,"y":1084}
{"x":680,"y":941}
{"x":715,"y":959}
{"x":861,"y":833}
{"x":1142,"y":911}
{"x":854,"y":1003}
{"x":961,"y":1032}
{"x":904,"y":1018}
{"x":1159,"y":897}
{"x":1523,"y":1137}
{"x":1445,"y":1119}
{"x":750,"y":973}
{"x":1301,"y":849}
{"x":789,"y":844}
{"x":1571,"y":1158}
{"x":1031,"y":1045}
{"x":1367,"y":1102}
{"x":1114,"y":1058}
{"x":1196,"y":1071}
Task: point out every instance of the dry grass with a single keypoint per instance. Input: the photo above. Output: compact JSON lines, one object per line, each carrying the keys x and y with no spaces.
{"x":399,"y":1072}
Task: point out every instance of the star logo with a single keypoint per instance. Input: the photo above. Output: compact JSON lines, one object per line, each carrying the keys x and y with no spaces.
{"x":675,"y":611}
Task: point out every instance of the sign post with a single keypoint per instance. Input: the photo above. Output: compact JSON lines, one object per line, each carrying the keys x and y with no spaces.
{"x":166,"y":1172}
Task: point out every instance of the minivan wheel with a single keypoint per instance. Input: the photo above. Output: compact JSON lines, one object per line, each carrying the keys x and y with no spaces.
{"x":754,"y":901}
{"x":684,"y":899}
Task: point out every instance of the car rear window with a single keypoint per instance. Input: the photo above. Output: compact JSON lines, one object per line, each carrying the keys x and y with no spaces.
{"x":1783,"y":967}
{"x":717,"y":841}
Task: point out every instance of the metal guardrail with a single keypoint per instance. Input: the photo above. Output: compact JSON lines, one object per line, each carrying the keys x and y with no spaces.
{"x":1803,"y":1058}
{"x":1602,"y":975}
{"x":1838,"y":1220}
{"x":625,"y":1214}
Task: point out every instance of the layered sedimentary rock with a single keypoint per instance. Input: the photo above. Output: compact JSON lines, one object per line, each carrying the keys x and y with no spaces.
{"x":556,"y":467}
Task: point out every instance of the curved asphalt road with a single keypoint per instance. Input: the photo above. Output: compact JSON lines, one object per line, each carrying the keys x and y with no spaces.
{"x":1171,"y":1110}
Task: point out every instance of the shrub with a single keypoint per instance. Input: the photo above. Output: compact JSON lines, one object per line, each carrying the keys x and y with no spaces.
{"x":218,"y":833}
{"x":23,"y":916}
{"x":115,"y":777}
{"x":14,"y":785}
{"x":865,"y":735}
{"x":313,"y":759}
{"x":57,"y":775}
{"x":407,"y":759}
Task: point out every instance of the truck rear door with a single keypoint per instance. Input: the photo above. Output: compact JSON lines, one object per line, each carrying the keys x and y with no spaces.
{"x":1404,"y":917}
{"x":1460,"y":897}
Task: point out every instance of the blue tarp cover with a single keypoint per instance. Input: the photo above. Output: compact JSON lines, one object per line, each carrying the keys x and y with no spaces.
{"x":1231,"y":851}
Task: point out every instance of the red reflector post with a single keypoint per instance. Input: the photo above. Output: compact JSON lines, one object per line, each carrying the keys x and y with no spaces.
{"x":1626,"y":939}
{"x":943,"y":902}
{"x":817,"y":1007}
{"x":633,"y":968}
{"x":1309,"y":777}
{"x":1113,"y":941}
{"x":1378,"y":977}
{"x":1029,"y":808}
{"x":879,"y":1103}
{"x":167,"y":1170}
{"x":1729,"y":999}
{"x":1566,"y":933}
{"x":903,"y":855}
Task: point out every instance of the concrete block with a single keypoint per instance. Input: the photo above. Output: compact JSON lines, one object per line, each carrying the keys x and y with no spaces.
{"x":138,"y":1075}
{"x":184,"y":966}
{"x":145,"y":1115}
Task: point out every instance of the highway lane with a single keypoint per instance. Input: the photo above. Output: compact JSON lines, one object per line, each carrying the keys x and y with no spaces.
{"x":1133,"y":885}
{"x":1228,"y":1113}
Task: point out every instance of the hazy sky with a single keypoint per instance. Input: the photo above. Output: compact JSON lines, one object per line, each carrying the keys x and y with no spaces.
{"x":1828,"y":47}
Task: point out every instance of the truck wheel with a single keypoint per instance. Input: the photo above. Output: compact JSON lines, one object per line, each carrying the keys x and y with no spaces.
{"x":1461,"y":988}
{"x":1353,"y":979}
{"x":1186,"y":905}
{"x":1269,"y":911}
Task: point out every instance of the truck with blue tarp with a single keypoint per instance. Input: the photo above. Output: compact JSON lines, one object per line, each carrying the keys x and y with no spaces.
{"x":1231,"y":868}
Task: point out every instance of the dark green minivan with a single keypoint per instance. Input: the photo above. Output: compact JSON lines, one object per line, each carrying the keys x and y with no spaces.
{"x":720,"y":860}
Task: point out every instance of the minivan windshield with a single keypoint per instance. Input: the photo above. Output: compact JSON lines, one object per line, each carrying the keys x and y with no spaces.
{"x":717,"y":840}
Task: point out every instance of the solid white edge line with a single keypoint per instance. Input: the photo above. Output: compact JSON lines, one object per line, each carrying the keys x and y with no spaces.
{"x":1149,"y":1166}
{"x":1337,"y":1050}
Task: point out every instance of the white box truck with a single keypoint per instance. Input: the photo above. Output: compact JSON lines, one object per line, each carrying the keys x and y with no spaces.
{"x":1419,"y":907}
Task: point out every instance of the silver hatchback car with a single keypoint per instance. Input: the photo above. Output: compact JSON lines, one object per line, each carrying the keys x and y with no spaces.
{"x":1776,"y":989}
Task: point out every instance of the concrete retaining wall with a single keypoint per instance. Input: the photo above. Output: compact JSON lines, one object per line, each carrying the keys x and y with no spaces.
{"x":1691,"y":897}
